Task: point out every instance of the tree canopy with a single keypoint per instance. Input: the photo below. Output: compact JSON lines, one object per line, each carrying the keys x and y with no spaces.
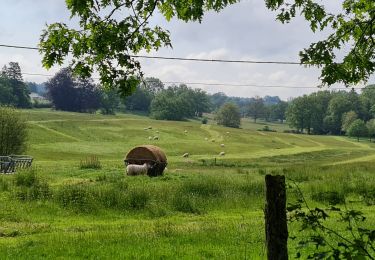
{"x":13,"y":91}
{"x":71,"y":93}
{"x":228,"y":115}
{"x":13,"y":132}
{"x":106,"y":38}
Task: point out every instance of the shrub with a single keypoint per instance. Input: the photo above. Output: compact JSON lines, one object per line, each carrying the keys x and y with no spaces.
{"x":204,"y":120}
{"x":13,"y":131}
{"x":91,"y":162}
{"x":266,"y":128}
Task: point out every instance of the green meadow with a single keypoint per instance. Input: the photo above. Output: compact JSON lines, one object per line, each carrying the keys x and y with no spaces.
{"x":204,"y":207}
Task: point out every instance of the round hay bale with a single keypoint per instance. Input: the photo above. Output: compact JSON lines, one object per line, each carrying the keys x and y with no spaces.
{"x":148,"y":154}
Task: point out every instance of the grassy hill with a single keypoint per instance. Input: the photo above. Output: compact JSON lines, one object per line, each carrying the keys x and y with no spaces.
{"x":205,"y":206}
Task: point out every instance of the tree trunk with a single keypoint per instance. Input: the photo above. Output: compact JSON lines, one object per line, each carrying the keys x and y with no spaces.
{"x":275,"y":218}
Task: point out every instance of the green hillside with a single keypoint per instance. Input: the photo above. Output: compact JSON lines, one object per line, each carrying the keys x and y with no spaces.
{"x":205,"y":206}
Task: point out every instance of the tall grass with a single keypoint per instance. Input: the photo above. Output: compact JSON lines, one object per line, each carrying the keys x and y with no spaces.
{"x":90,"y":162}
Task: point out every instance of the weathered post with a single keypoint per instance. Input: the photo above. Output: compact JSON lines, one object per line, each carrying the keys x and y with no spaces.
{"x":275,"y":218}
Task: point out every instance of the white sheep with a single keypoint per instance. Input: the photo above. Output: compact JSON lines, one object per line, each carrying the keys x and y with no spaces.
{"x":157,"y":132}
{"x":222,"y":153}
{"x":222,"y":145}
{"x":150,"y":138}
{"x":145,"y":128}
{"x":185,"y":155}
{"x":185,"y":131}
{"x":156,"y":137}
{"x":206,"y":139}
{"x":135,"y":169}
{"x":150,"y":127}
{"x":227,"y":133}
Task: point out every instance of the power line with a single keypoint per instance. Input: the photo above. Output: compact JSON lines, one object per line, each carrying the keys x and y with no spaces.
{"x":179,"y":58}
{"x":210,"y":84}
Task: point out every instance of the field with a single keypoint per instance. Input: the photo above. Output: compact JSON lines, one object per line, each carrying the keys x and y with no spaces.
{"x":204,"y":207}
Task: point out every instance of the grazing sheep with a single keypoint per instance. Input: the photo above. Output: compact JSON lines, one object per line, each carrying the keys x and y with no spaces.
{"x":157,"y":132}
{"x":206,"y":139}
{"x":222,"y":145}
{"x":227,"y":133}
{"x":150,"y":138}
{"x":145,"y":128}
{"x":222,"y":153}
{"x":185,"y":131}
{"x":185,"y":155}
{"x":156,"y":137}
{"x":150,"y":127}
{"x":135,"y":169}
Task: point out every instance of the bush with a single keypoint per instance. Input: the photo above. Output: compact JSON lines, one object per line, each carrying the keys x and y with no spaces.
{"x":204,"y":120}
{"x":266,"y":128}
{"x":13,"y":132}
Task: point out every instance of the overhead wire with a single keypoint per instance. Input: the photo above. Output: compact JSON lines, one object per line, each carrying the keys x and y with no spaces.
{"x":210,"y":83}
{"x":179,"y":58}
{"x":196,"y":60}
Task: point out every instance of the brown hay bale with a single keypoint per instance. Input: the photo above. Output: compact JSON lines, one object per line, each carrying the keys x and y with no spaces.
{"x":148,"y":154}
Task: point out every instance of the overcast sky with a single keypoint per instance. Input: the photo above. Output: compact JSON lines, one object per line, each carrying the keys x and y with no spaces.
{"x":246,"y":31}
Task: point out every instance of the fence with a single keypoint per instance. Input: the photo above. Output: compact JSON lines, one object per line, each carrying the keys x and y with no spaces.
{"x":9,"y":164}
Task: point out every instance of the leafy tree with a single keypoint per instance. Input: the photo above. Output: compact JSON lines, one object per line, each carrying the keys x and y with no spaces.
{"x":271,"y":100}
{"x":367,"y":99}
{"x":338,"y":105}
{"x":357,"y":129}
{"x":69,"y":93}
{"x":105,"y":43}
{"x":298,"y":114}
{"x":371,"y":128}
{"x":13,"y":132}
{"x":173,"y":103}
{"x":140,"y":100}
{"x":278,"y":111}
{"x":228,"y":115}
{"x":267,"y":111}
{"x":201,"y":102}
{"x":347,"y":119}
{"x":256,"y":109}
{"x":6,"y":92}
{"x":318,"y":106}
{"x":218,"y":99}
{"x":153,"y":85}
{"x":109,"y":102}
{"x":13,"y":88}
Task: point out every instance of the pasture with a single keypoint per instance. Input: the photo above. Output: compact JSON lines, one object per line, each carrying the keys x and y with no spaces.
{"x":205,"y":206}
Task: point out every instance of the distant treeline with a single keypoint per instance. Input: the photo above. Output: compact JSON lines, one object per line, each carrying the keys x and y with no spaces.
{"x":326,"y":112}
{"x":323,"y":112}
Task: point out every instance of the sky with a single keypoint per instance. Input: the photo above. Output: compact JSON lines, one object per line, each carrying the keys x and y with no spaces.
{"x":244,"y":31}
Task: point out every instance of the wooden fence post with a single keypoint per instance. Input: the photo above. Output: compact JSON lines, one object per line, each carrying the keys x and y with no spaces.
{"x":275,"y":218}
